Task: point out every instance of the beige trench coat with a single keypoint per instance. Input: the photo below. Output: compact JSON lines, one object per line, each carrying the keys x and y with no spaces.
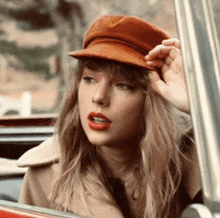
{"x":43,"y":165}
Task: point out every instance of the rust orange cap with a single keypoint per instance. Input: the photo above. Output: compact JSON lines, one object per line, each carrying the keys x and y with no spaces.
{"x":121,"y":38}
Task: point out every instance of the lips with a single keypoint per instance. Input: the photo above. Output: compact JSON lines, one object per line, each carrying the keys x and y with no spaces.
{"x":98,"y":121}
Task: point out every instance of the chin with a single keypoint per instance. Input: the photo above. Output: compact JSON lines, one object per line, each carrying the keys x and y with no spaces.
{"x":99,"y":142}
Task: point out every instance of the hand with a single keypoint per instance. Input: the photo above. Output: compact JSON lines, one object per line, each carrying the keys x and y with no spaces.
{"x":169,"y":80}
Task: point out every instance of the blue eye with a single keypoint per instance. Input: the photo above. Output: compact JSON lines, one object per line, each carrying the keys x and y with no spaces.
{"x":123,"y":86}
{"x":89,"y":79}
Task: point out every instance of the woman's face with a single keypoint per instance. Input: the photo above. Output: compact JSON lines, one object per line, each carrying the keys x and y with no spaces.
{"x":111,"y":108}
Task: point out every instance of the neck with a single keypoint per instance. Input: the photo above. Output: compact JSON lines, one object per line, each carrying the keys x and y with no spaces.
{"x":119,"y":159}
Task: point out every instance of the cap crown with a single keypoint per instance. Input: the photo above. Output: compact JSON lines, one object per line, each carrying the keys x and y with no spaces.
{"x":132,"y":30}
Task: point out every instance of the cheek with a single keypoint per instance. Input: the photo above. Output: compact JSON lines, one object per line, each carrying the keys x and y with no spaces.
{"x":82,"y":100}
{"x":134,"y":108}
{"x":131,"y":115}
{"x":134,"y":115}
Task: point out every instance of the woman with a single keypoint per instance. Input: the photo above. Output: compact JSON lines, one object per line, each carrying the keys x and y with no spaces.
{"x":116,"y":151}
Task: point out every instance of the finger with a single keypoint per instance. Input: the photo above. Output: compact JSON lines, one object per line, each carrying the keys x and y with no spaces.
{"x":154,"y":76}
{"x":159,"y":51}
{"x":175,"y":52}
{"x":172,"y":42}
{"x":154,"y":79}
{"x":164,"y":70}
{"x":155,"y":63}
{"x":168,"y":60}
{"x":156,"y":83}
{"x":153,"y":53}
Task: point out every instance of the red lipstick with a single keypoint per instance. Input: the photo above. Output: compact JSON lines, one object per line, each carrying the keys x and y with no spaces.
{"x":98,"y":121}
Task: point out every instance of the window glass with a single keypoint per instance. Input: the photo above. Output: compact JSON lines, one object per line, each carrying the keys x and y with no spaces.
{"x":35,"y":37}
{"x":216,"y":10}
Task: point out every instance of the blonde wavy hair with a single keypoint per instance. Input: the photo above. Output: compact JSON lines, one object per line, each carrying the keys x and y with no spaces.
{"x":157,"y":170}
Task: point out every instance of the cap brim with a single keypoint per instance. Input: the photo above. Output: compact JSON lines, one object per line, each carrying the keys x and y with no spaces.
{"x":113,"y":51}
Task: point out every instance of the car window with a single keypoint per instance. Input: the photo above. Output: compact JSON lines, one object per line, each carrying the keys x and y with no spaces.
{"x":216,"y":10}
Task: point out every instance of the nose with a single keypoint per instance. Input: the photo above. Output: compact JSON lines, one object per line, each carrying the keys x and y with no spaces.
{"x":101,"y":96}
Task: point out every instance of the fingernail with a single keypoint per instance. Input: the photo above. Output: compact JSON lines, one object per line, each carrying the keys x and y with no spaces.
{"x":149,"y":62}
{"x":146,"y":57}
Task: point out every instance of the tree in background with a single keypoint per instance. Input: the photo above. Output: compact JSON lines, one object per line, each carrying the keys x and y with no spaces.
{"x":65,"y":17}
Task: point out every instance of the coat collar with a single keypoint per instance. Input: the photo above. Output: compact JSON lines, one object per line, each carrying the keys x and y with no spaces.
{"x":45,"y":154}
